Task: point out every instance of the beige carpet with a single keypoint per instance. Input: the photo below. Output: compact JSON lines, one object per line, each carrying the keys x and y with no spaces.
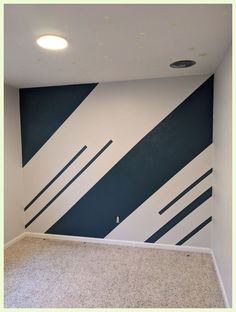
{"x":46,"y":273}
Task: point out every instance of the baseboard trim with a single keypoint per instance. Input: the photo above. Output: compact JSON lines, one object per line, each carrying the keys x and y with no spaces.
{"x":14,"y":240}
{"x":227,"y":305}
{"x":117,"y":242}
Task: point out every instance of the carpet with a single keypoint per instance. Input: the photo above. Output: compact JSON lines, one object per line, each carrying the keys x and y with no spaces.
{"x":61,"y":274}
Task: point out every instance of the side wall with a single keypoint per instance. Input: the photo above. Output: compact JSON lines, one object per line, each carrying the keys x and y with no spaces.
{"x":222,"y":188}
{"x":13,"y":175}
{"x":127,"y":160}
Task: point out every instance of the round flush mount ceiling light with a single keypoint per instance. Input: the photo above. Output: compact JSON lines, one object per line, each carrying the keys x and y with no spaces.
{"x":182,"y":64}
{"x":52,"y":42}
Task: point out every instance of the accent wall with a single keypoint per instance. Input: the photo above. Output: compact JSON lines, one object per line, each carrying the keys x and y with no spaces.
{"x":125,"y":160}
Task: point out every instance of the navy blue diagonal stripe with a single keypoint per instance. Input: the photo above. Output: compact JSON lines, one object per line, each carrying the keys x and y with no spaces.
{"x":56,"y":177}
{"x":180,"y":216}
{"x":69,"y":183}
{"x":164,"y":151}
{"x":43,"y":110}
{"x":195,"y":231}
{"x":185,"y":191}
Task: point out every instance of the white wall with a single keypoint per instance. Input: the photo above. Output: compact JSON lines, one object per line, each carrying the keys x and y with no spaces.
{"x":222,"y":189}
{"x":13,"y":178}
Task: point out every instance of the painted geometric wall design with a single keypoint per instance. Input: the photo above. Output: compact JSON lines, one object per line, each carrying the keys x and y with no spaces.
{"x":171,"y":145}
{"x":132,"y":183}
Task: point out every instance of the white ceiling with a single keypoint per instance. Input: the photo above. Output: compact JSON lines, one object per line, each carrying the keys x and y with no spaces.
{"x":113,"y":42}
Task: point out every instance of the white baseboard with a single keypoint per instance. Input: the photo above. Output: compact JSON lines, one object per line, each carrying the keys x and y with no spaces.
{"x":117,"y":242}
{"x":109,"y":242}
{"x":14,"y":240}
{"x":227,"y":305}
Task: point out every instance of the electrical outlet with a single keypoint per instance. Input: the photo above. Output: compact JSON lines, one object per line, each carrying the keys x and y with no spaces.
{"x":117,"y":219}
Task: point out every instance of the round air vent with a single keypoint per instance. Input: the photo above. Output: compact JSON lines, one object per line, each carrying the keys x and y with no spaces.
{"x":183,"y":64}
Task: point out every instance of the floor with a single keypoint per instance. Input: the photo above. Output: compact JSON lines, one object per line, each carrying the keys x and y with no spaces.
{"x":55,"y":274}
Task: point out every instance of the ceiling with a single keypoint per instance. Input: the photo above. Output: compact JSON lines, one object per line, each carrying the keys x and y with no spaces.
{"x":113,"y":42}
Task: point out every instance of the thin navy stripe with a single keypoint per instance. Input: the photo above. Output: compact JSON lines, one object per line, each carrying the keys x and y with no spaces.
{"x":57,"y":176}
{"x":69,"y":183}
{"x":197,"y":229}
{"x":185,"y":191}
{"x":180,"y":216}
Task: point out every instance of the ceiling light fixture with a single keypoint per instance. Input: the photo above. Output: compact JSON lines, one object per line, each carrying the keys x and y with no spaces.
{"x":52,"y":42}
{"x":182,"y":64}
